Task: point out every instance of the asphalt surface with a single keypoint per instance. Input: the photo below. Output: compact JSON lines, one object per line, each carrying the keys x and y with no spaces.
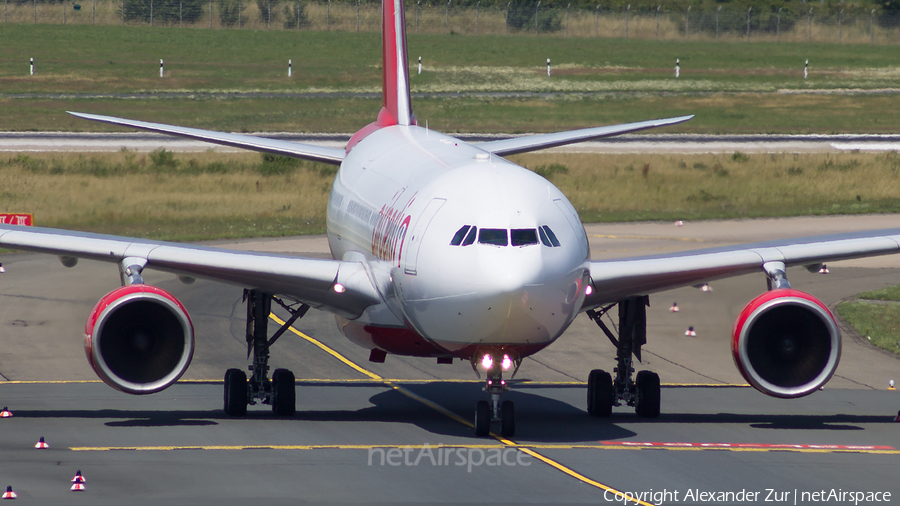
{"x":179,"y":446}
{"x":659,"y":143}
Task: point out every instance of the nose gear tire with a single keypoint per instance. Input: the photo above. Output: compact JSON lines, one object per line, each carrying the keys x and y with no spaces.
{"x":482,"y":419}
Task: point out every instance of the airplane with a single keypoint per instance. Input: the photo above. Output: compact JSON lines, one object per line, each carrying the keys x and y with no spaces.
{"x":444,"y":249}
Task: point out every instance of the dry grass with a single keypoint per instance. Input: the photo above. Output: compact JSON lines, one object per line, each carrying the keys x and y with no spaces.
{"x":193,"y":197}
{"x":617,"y":187}
{"x":209,"y":195}
{"x":584,"y":23}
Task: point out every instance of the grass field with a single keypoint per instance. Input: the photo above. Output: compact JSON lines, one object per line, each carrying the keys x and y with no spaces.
{"x":727,"y":113}
{"x":731,"y":86}
{"x":876,"y":316}
{"x":208,"y":195}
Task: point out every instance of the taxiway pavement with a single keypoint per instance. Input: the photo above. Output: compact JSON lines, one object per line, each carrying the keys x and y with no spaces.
{"x":179,"y":446}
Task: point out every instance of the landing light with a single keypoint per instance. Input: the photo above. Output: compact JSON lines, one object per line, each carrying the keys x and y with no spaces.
{"x":507,"y":363}
{"x":588,"y":290}
{"x":339,"y":288}
{"x":487,"y":361}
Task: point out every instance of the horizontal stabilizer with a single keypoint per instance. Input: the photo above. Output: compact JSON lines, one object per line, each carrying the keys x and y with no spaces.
{"x":544,"y":141}
{"x":276,"y":147}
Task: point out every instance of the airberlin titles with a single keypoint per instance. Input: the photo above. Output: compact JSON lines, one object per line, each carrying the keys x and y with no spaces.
{"x":389,"y":225}
{"x":389,"y":233}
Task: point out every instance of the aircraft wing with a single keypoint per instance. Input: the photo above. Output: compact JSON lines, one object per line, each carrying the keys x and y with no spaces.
{"x":614,"y":280}
{"x":543,"y":141}
{"x":312,"y":281}
{"x":284,"y":148}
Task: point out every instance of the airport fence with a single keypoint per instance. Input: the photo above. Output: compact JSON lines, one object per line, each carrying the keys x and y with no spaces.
{"x":804,"y":22}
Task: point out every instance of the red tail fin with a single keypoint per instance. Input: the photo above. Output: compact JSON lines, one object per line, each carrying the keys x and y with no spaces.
{"x":396,"y":108}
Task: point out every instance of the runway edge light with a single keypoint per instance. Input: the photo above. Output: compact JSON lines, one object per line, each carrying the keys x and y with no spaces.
{"x":41,"y":444}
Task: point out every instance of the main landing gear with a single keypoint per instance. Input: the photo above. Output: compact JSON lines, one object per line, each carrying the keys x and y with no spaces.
{"x":280,"y":391}
{"x":643,"y":391}
{"x":495,"y":411}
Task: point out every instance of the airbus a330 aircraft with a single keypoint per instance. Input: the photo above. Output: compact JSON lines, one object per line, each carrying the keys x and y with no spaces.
{"x":444,"y":249}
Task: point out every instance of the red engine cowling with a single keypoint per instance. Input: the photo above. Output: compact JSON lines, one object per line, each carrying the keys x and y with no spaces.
{"x":786,"y":343}
{"x":139,"y":339}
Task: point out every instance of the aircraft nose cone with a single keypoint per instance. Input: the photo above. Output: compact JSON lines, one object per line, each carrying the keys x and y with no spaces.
{"x":503,"y":302}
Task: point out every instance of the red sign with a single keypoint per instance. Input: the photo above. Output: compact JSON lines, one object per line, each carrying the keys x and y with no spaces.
{"x":17,"y":219}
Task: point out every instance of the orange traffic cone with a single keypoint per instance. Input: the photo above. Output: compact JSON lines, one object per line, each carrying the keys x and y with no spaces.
{"x":41,"y":445}
{"x":674,"y":308}
{"x":690,"y":332}
{"x":9,"y":494}
{"x":824,"y":269}
{"x":6,"y":413}
{"x":78,"y":487}
{"x":679,"y":223}
{"x":78,"y":477}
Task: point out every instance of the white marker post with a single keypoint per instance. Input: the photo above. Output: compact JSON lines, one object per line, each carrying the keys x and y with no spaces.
{"x":548,"y":67}
{"x":32,"y":66}
{"x":677,"y":68}
{"x":161,"y":70}
{"x":420,"y":65}
{"x":289,"y":67}
{"x":806,"y":69}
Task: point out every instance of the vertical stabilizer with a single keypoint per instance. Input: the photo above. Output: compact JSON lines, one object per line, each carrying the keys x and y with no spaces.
{"x":396,"y":108}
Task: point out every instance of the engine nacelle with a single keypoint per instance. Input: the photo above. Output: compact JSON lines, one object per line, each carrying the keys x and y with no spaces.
{"x":139,"y":339}
{"x":786,"y":343}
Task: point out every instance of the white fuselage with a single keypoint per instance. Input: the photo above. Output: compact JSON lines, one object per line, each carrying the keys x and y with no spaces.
{"x":401,"y":196}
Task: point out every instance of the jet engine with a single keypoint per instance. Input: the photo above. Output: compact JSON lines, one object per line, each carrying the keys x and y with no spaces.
{"x":786,"y":343}
{"x":139,"y":339}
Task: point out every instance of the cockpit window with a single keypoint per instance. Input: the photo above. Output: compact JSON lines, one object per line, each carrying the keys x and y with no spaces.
{"x":548,"y":237}
{"x":460,"y":235}
{"x":493,"y":236}
{"x":523,"y":236}
{"x":470,"y":237}
{"x":468,"y":234}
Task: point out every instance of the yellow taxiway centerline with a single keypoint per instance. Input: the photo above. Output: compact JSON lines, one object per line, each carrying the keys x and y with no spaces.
{"x":451,"y":414}
{"x":503,"y":443}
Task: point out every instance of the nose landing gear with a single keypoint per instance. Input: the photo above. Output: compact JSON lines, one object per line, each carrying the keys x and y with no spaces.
{"x":504,"y":412}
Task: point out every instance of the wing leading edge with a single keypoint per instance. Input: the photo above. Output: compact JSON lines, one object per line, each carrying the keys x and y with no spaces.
{"x":312,"y":281}
{"x":617,"y":279}
{"x":543,"y":141}
{"x":285,"y":148}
